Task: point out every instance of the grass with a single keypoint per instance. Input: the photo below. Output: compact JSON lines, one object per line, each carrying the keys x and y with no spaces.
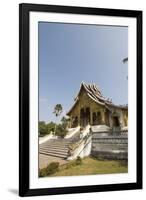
{"x":92,"y":166}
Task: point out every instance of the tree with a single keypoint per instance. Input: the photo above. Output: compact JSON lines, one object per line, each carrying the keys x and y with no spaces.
{"x":42,"y":128}
{"x":50,"y":127}
{"x":57,"y":111}
{"x":61,"y":130}
{"x":125,"y":60}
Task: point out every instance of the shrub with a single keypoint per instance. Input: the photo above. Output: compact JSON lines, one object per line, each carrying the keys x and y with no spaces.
{"x":52,"y":168}
{"x":42,"y":172}
{"x":78,"y":161}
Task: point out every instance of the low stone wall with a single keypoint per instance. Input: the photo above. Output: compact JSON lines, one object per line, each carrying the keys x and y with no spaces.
{"x":110,"y":155}
{"x":110,"y":139}
{"x":110,"y":146}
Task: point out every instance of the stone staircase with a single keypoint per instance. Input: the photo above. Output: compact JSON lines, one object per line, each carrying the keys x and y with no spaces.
{"x":58,"y":147}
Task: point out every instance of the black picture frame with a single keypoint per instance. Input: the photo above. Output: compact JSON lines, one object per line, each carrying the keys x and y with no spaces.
{"x":24,"y":105}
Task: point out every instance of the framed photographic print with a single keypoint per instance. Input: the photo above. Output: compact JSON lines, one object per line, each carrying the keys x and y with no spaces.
{"x":80,"y":99}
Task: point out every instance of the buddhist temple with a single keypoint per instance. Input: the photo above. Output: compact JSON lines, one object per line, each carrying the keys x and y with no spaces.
{"x":92,"y":108}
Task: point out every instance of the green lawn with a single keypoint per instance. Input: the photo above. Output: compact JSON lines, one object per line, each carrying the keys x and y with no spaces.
{"x":91,"y":166}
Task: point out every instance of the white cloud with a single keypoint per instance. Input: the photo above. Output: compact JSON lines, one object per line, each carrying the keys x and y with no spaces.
{"x":43,"y":100}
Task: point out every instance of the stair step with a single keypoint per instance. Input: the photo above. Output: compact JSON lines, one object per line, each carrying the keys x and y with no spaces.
{"x":57,"y":142}
{"x":51,"y":151}
{"x":53,"y":154}
{"x":54,"y":149}
{"x":54,"y":146}
{"x":57,"y":147}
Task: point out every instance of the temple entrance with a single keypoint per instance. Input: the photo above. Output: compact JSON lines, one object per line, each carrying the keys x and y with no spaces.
{"x":116,"y":122}
{"x":75,"y":122}
{"x":107,"y":118}
{"x":84,"y":116}
{"x":96,"y":117}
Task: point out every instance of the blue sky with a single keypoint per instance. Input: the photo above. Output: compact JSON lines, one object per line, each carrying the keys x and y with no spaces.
{"x":72,"y":53}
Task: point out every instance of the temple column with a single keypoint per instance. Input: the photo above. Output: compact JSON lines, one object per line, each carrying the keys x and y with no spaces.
{"x":121,"y":119}
{"x":103,"y":116}
{"x":79,"y":117}
{"x":79,"y":120}
{"x":70,"y":122}
{"x":91,"y":120}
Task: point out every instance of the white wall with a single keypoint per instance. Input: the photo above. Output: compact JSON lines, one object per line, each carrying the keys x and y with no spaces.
{"x":9,"y":97}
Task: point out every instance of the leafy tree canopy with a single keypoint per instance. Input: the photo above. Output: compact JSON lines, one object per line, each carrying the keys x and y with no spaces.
{"x":45,"y":129}
{"x":42,"y":128}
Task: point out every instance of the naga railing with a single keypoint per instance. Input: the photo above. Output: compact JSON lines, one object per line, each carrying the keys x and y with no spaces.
{"x":75,"y":145}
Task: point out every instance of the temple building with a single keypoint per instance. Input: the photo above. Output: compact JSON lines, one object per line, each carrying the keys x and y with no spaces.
{"x":92,"y":108}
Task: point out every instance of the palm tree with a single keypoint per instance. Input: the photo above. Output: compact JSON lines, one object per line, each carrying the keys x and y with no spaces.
{"x":125,"y":60}
{"x":57,"y":111}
